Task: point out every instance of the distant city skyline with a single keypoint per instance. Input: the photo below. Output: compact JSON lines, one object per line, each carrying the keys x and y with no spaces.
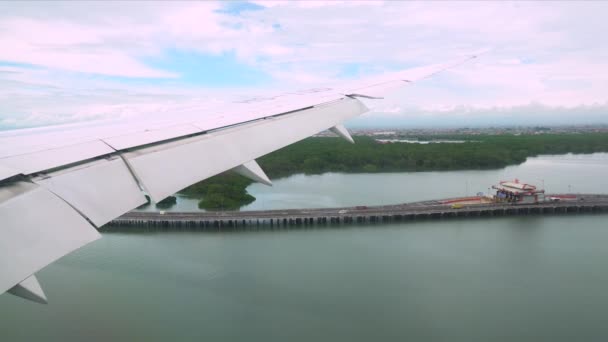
{"x":63,"y":62}
{"x":460,"y":117}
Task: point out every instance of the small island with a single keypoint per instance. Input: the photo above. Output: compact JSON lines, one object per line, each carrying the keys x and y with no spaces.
{"x":226,"y":191}
{"x":164,"y":204}
{"x":167,"y":202}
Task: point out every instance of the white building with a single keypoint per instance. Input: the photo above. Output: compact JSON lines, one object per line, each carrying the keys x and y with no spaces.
{"x":516,"y":192}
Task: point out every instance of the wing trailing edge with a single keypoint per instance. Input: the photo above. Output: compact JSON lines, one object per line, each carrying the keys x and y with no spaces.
{"x":228,"y":148}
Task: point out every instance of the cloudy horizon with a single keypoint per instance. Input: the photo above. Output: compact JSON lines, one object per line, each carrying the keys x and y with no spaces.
{"x":66,"y":62}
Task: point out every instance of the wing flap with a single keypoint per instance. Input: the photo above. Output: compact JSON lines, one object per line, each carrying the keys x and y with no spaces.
{"x":100,"y":190}
{"x":37,"y":229}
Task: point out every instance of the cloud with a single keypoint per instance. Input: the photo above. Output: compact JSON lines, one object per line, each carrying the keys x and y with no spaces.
{"x":79,"y":61}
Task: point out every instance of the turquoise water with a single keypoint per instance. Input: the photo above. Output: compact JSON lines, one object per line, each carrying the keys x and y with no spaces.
{"x":501,"y":279}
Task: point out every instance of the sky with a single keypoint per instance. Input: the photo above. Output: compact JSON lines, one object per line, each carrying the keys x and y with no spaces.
{"x":63,"y":62}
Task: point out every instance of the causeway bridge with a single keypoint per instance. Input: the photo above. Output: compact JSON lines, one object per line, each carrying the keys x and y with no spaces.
{"x":435,"y":209}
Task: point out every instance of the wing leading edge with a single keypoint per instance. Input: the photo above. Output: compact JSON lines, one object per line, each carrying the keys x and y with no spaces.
{"x":54,"y":194}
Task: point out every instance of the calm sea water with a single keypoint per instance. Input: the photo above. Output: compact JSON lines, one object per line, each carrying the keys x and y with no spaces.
{"x":510,"y":278}
{"x":557,"y":174}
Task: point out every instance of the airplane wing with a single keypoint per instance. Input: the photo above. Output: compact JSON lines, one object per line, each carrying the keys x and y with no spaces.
{"x":59,"y":184}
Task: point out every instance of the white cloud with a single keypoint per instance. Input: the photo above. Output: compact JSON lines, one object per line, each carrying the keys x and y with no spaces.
{"x":543,"y":53}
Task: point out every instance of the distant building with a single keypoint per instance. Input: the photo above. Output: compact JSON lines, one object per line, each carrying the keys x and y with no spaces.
{"x":384,"y":133}
{"x":516,"y":192}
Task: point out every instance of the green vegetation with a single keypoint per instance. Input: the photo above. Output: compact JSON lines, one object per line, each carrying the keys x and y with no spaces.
{"x":167,"y":203}
{"x":319,"y":155}
{"x":225,"y":191}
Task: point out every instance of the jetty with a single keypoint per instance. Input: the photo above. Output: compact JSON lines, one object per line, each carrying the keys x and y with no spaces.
{"x":435,"y":209}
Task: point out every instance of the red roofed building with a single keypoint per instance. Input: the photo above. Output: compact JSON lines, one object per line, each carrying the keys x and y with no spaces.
{"x":516,"y":192}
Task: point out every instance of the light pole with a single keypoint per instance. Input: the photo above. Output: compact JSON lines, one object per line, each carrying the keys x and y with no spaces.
{"x":543,"y":183}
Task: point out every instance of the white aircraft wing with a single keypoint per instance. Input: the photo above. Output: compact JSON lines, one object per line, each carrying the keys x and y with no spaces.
{"x":58,"y":184}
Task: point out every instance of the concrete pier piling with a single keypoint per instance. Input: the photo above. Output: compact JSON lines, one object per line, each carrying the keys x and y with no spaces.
{"x":588,"y":203}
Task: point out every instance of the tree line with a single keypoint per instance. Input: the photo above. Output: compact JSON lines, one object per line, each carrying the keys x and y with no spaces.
{"x":318,"y":155}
